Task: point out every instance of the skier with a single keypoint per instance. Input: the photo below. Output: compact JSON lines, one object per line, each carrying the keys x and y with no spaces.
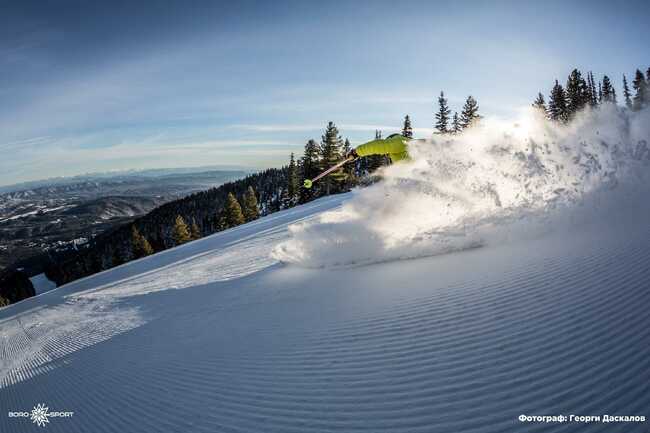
{"x":395,"y":146}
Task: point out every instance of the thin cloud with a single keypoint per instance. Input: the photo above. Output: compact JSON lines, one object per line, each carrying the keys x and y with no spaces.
{"x":309,"y":128}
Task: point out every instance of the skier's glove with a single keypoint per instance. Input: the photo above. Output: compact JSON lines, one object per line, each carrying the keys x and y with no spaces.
{"x":352,"y":154}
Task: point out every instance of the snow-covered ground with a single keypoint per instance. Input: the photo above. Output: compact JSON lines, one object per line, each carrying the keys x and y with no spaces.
{"x":456,"y":295}
{"x":217,"y":336}
{"x":42,"y":284}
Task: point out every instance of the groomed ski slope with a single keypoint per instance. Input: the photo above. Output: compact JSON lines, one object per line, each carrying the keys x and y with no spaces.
{"x":215,"y":336}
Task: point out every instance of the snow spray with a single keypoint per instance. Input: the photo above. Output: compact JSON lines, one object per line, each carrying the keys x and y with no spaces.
{"x":492,"y":182}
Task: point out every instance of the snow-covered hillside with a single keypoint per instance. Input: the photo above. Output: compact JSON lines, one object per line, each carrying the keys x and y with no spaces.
{"x":217,"y":336}
{"x":500,"y":273}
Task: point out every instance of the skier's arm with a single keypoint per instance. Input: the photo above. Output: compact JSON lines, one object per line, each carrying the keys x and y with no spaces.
{"x":389,"y":146}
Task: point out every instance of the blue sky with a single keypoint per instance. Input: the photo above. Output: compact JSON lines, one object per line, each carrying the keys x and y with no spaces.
{"x":88,"y":86}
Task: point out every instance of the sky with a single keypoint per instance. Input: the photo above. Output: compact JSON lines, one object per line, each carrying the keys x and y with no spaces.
{"x":100,"y":86}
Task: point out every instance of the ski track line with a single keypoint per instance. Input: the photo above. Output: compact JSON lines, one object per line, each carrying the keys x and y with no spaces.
{"x":563,"y":329}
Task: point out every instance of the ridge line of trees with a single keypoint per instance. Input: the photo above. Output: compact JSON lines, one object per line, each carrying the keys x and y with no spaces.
{"x":580,"y":92}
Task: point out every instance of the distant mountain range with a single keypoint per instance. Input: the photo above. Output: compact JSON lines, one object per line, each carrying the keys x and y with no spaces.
{"x":117,"y":176}
{"x":65,"y":213}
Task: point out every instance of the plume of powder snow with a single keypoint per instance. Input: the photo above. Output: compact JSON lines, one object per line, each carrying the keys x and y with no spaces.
{"x":494,"y":181}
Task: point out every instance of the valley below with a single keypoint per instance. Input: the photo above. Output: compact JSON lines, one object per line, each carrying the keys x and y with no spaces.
{"x":63,"y":215}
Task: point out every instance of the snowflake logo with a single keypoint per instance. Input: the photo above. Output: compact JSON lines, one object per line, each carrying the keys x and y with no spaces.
{"x":40,"y":415}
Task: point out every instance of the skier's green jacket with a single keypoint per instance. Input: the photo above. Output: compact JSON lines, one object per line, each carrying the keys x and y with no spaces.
{"x":394,"y":146}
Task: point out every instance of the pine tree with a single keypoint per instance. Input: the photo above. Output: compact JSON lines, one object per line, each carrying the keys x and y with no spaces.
{"x":330,"y":152}
{"x":250,"y":207}
{"x":585,"y":90}
{"x":626,"y":93}
{"x":377,"y":134}
{"x":600,"y":92}
{"x":293,"y":182}
{"x":195,"y":231}
{"x":593,"y":94}
{"x":220,"y":221}
{"x":442,"y":116}
{"x":311,"y":160}
{"x":139,"y":244}
{"x":349,"y":169}
{"x":647,"y":75}
{"x":557,"y":109}
{"x":407,"y":131}
{"x":180,"y":232}
{"x":117,"y":258}
{"x":641,"y":87}
{"x":455,"y":124}
{"x":347,"y":147}
{"x":575,"y":92}
{"x":4,"y":301}
{"x":608,"y":90}
{"x":285,"y":202}
{"x":540,"y":104}
{"x":469,"y":116}
{"x":232,"y":211}
{"x":309,"y":169}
